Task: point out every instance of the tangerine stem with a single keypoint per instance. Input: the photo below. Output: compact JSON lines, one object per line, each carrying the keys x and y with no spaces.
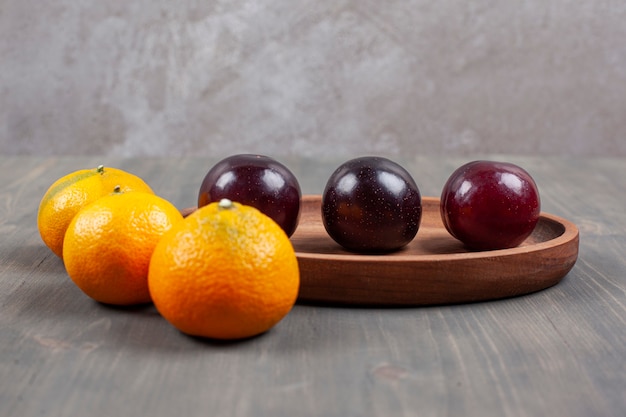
{"x":225,"y":204}
{"x":100,"y":169}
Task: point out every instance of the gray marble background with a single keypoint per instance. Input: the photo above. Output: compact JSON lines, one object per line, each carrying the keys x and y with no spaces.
{"x":319,"y":79}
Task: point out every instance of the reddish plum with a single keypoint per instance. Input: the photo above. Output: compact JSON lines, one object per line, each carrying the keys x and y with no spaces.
{"x":490,"y":205}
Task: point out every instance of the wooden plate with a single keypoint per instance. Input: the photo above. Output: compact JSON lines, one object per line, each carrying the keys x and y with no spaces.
{"x":434,"y":268}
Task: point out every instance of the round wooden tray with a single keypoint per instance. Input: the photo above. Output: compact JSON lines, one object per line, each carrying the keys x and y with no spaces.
{"x":434,"y":268}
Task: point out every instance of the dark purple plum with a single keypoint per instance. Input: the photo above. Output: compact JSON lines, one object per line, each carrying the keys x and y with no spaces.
{"x":371,"y":205}
{"x":258,"y":181}
{"x":490,"y":205}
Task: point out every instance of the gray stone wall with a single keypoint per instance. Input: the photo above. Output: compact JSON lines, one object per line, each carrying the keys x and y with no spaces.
{"x":312,"y":78}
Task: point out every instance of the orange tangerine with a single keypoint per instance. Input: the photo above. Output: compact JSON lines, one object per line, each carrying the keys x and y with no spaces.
{"x":227,"y":271}
{"x":69,"y":194}
{"x":109,"y":243}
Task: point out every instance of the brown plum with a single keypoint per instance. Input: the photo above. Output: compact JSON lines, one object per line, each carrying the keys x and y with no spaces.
{"x":258,"y":181}
{"x":371,"y":204}
{"x":490,"y":205}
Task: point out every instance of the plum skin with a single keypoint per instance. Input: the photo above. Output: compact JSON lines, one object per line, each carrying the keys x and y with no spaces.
{"x":490,"y":205}
{"x":258,"y":181}
{"x":371,"y":205}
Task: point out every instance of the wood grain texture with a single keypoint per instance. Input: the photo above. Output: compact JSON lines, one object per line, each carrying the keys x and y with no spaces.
{"x":560,"y":351}
{"x":434,"y":268}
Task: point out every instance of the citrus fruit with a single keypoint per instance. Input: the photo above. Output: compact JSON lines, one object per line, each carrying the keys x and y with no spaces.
{"x":108,"y":245}
{"x":227,"y":271}
{"x":69,"y":194}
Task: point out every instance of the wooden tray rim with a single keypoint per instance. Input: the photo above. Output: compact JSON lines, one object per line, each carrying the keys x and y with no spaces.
{"x":570,"y":233}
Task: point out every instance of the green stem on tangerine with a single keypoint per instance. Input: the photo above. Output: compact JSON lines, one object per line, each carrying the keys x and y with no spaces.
{"x":100,"y":169}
